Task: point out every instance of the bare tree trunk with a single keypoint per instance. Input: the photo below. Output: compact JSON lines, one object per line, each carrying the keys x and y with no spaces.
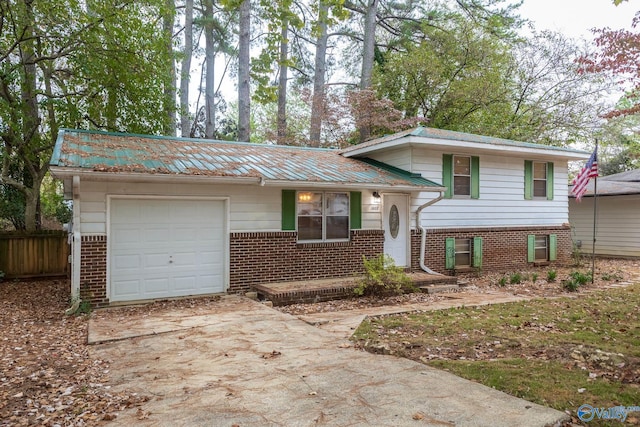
{"x":317,"y":103}
{"x":185,"y":122}
{"x":282,"y":84}
{"x":244,"y":63}
{"x":170,"y":90}
{"x":210,"y":58}
{"x":368,"y":53}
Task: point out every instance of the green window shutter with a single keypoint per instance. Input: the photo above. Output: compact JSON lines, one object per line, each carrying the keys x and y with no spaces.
{"x":550,"y":181}
{"x":553,"y":247}
{"x":447,"y":175}
{"x":531,"y":248}
{"x":450,"y":253}
{"x":355,"y":210}
{"x":477,"y":251}
{"x":528,"y":179}
{"x":475,"y":177}
{"x":288,"y":210}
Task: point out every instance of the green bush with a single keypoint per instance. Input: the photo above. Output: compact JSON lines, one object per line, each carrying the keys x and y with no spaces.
{"x":515,"y":278}
{"x":534,"y":277}
{"x":382,"y":277}
{"x":502,"y":282}
{"x":551,"y":276}
{"x":575,"y":280}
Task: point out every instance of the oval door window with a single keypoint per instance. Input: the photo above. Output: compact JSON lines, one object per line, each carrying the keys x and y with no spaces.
{"x":394,"y":221}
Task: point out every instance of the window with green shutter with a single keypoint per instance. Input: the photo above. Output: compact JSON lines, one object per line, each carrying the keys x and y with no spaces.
{"x":538,"y":180}
{"x":463,"y":252}
{"x":541,"y":248}
{"x":321,"y":216}
{"x":461,"y":176}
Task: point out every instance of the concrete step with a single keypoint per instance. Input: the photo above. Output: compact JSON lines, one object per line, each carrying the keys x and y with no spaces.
{"x":436,"y":289}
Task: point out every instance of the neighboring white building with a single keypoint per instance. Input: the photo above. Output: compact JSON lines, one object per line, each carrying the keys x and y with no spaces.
{"x":617,"y":216}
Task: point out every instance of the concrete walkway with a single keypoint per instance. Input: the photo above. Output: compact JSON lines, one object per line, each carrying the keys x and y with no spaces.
{"x":344,"y":323}
{"x":247,"y":364}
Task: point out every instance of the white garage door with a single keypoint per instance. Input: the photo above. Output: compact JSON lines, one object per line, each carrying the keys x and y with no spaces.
{"x":166,"y":248}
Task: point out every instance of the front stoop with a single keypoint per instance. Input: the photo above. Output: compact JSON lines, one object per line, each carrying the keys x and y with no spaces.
{"x":312,"y":291}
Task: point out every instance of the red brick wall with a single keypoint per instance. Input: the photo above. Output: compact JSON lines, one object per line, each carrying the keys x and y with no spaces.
{"x":503,"y":248}
{"x":267,"y":257}
{"x":93,"y":270}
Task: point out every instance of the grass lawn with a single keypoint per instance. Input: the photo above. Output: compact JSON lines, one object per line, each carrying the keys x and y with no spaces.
{"x":560,"y":352}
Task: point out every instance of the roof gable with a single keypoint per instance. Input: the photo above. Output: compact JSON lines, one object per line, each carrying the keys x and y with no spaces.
{"x":116,"y":153}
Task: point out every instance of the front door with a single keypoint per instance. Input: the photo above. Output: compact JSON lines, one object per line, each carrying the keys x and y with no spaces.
{"x":396,"y":227}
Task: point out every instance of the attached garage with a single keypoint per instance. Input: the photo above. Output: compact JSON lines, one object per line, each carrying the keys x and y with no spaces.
{"x":162,"y":248}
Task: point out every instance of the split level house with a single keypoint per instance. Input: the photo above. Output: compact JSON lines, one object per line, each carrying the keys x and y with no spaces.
{"x":157,"y":217}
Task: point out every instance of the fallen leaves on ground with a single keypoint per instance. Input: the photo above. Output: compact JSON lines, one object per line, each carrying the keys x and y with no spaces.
{"x":608,"y":272}
{"x":47,"y":376}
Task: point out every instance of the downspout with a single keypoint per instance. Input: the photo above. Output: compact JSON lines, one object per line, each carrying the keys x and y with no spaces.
{"x":75,"y":248}
{"x":423,"y":234}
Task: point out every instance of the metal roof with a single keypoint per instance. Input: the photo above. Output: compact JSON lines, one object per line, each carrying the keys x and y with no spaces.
{"x":619,"y":184}
{"x":450,"y":138}
{"x":112,"y":153}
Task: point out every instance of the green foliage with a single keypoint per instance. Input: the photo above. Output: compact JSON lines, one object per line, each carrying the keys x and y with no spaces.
{"x":502,"y":282}
{"x":515,"y":278}
{"x":382,"y":277}
{"x":103,"y":65}
{"x":551,"y":276}
{"x":614,"y":277}
{"x":575,"y":280}
{"x":52,"y":201}
{"x":534,"y":277}
{"x":84,"y":307}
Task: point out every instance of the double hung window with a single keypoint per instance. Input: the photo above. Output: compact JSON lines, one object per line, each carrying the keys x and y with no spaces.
{"x":538,"y":180}
{"x":322,"y":216}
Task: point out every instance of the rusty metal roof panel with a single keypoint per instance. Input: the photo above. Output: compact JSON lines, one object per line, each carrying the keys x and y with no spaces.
{"x":116,"y":152}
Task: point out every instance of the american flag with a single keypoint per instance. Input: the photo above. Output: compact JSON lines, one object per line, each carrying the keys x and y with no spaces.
{"x":590,"y":170}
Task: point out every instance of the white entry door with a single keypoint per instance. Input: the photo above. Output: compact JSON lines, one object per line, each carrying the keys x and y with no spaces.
{"x":161,"y":248}
{"x":396,"y":227}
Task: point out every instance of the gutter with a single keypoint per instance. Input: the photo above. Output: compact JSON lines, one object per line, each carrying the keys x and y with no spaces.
{"x":75,"y":247}
{"x":423,"y":234}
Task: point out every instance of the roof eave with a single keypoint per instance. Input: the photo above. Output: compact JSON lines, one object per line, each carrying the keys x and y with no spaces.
{"x":465,"y":146}
{"x":66,"y":172}
{"x":354,"y":185}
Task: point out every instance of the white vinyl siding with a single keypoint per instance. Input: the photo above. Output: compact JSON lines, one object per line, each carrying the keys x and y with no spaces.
{"x":252,"y":208}
{"x":617,"y":228}
{"x":501,"y":202}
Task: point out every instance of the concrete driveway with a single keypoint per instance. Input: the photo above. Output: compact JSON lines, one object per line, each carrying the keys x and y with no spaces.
{"x":245,"y":364}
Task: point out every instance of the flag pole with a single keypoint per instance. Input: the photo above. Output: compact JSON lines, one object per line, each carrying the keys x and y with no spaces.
{"x":595,"y":204}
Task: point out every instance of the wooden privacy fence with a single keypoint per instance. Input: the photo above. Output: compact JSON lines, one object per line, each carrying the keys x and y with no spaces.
{"x":44,"y":253}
